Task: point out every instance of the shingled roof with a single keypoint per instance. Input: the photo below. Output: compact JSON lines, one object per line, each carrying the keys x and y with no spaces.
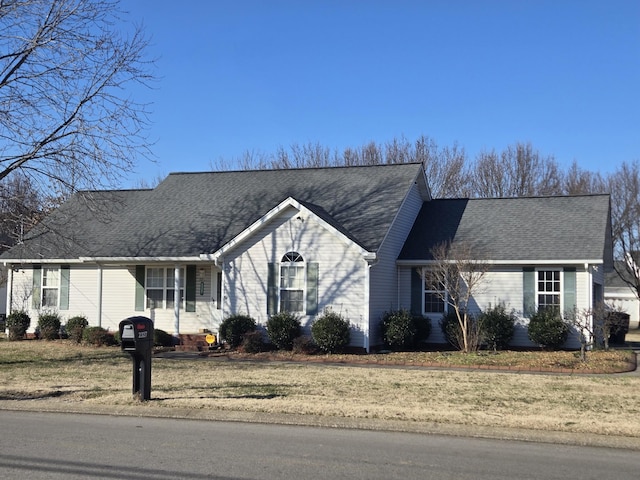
{"x":189,"y":214}
{"x":564,"y":228}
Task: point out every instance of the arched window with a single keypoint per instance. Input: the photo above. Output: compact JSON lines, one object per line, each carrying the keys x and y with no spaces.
{"x":292,"y":282}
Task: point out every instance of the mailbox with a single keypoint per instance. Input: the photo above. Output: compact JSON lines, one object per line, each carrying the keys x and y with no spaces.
{"x":136,"y":334}
{"x":136,"y":337}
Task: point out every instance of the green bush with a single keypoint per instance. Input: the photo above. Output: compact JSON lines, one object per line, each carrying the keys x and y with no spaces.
{"x":401,"y":329}
{"x":49,"y":325}
{"x":282,"y":329}
{"x":233,"y":328}
{"x":18,"y":323}
{"x":547,"y":329}
{"x":252,"y":342}
{"x":331,"y":332}
{"x":97,"y":336}
{"x":75,"y":327}
{"x":498,"y":327}
{"x":162,"y":338}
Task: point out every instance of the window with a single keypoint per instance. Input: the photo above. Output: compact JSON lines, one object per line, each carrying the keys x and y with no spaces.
{"x":548,"y":289}
{"x":160,"y":285}
{"x":50,"y":287}
{"x":434,"y":295}
{"x":292,"y":279}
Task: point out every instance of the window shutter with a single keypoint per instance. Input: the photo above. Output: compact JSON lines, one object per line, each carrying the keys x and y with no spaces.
{"x":219,"y":291}
{"x":37,"y":283}
{"x":529,"y":291}
{"x":140,"y":272}
{"x":190,"y":289}
{"x":312,"y":288}
{"x":569,"y":290}
{"x":416,"y":292}
{"x":272,"y":289}
{"x":64,"y":287}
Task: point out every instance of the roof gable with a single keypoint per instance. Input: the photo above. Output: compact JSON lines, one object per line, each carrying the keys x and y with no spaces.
{"x":524,"y":229}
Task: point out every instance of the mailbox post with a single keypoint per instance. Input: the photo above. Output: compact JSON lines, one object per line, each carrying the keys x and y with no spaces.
{"x":136,"y":336}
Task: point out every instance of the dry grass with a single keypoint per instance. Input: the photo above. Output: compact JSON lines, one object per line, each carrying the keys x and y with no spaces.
{"x":41,"y":373}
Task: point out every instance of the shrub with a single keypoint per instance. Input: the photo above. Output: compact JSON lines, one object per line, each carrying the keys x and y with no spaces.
{"x":233,"y":328}
{"x":282,"y":329}
{"x":547,"y":329}
{"x":452,"y":331}
{"x":75,"y":327}
{"x":331,"y":332}
{"x":49,"y":325}
{"x":401,"y":329}
{"x":498,"y":326}
{"x":18,"y":323}
{"x":252,"y":342}
{"x":304,"y":345}
{"x":162,"y":338}
{"x":97,"y":336}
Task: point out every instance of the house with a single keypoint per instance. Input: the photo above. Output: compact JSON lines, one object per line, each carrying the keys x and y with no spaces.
{"x":619,"y":295}
{"x":303,"y":240}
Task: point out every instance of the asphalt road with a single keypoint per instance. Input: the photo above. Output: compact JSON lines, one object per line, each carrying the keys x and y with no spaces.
{"x":55,"y":446}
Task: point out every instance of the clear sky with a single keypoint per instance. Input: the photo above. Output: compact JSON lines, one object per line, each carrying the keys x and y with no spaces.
{"x":245,"y":75}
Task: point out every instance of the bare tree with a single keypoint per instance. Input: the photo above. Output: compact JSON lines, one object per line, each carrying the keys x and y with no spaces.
{"x":518,"y":171}
{"x":461,"y":274}
{"x":66,"y":120}
{"x":578,"y":181}
{"x":624,"y":186}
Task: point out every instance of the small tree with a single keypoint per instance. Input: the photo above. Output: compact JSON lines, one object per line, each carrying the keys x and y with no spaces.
{"x":452,"y":331}
{"x":457,"y":276}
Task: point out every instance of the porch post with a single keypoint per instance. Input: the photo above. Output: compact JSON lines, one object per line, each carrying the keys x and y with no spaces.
{"x":176,"y":302}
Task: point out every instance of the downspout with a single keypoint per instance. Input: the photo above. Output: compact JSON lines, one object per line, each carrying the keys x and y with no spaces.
{"x":367,"y":312}
{"x":590,"y":300}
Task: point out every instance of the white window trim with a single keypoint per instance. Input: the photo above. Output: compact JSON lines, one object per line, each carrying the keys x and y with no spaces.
{"x":436,"y":292}
{"x":165,"y":288}
{"x":58,"y":270}
{"x":560,"y":293}
{"x":302,"y":265}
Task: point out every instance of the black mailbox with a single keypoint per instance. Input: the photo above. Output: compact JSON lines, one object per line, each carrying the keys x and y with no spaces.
{"x":136,"y":337}
{"x":136,"y":334}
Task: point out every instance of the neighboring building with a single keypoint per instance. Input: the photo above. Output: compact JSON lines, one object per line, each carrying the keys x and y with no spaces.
{"x":303,"y":240}
{"x":619,"y":295}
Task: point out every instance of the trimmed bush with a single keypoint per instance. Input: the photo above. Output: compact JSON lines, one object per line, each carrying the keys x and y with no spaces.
{"x":97,"y":336}
{"x":49,"y":325}
{"x":282,"y":329}
{"x":18,"y":323}
{"x":252,"y":342}
{"x":162,"y":338}
{"x":233,"y":328}
{"x":548,"y":329}
{"x":75,"y":327}
{"x":498,"y":327}
{"x":401,"y":329}
{"x":331,"y":332}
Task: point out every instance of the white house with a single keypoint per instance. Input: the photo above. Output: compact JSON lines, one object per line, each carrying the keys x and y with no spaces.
{"x":302,"y":240}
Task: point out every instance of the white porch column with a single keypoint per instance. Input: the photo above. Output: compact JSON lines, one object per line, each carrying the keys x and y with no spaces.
{"x":176,"y":302}
{"x":99,"y":296}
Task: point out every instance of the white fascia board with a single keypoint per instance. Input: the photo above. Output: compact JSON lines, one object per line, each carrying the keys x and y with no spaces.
{"x":506,"y":262}
{"x":264,"y":220}
{"x":34,"y":261}
{"x":130,"y":260}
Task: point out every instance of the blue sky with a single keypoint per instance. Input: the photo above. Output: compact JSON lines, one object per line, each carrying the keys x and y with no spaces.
{"x":241,"y":75}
